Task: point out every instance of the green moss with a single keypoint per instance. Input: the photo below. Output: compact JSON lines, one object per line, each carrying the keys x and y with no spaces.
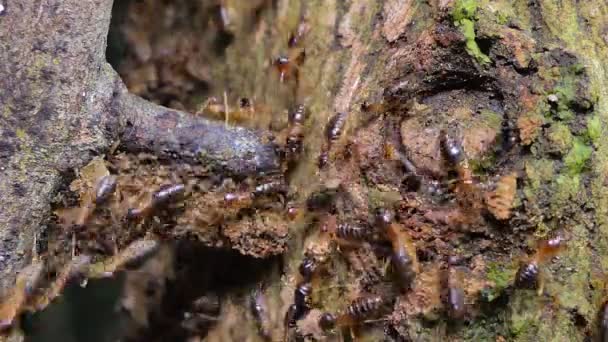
{"x":464,"y":9}
{"x":565,"y":188}
{"x":467,"y":27}
{"x":501,"y":276}
{"x":576,"y":159}
{"x":560,"y":137}
{"x":594,"y":128}
{"x":464,"y":16}
{"x":492,"y":119}
{"x":539,"y":171}
{"x":524,"y":316}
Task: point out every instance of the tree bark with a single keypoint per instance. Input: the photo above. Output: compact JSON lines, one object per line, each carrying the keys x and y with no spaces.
{"x":536,"y":67}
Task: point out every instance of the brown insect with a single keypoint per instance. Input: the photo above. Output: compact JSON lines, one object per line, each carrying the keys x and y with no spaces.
{"x":245,"y":199}
{"x":403,"y":258}
{"x":243,"y":112}
{"x":528,"y":274}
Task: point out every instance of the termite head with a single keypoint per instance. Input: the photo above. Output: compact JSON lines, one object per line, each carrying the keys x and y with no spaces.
{"x":297,"y":115}
{"x":549,"y":247}
{"x":292,"y":211}
{"x":327,"y":321}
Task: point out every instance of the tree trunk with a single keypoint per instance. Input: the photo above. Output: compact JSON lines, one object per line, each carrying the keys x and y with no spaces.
{"x":521,"y":83}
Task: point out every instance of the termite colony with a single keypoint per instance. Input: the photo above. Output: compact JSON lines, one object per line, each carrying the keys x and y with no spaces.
{"x":363,"y":264}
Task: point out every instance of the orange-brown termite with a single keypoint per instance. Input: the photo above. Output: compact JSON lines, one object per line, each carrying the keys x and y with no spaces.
{"x":403,"y":257}
{"x":528,"y":274}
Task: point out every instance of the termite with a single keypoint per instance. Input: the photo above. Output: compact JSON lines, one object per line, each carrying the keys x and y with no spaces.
{"x":355,"y":313}
{"x":528,"y":274}
{"x":455,"y":298}
{"x":403,"y":256}
{"x":165,"y":195}
{"x":259,"y":309}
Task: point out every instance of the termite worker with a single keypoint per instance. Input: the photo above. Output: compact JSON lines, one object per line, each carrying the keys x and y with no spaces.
{"x":165,"y":195}
{"x":355,"y":313}
{"x":403,"y":256}
{"x":455,"y":297}
{"x":245,"y":198}
{"x":528,"y":274}
{"x":259,"y":309}
{"x":295,"y":134}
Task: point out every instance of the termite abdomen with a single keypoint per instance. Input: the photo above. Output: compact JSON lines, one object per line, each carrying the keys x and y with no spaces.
{"x":335,"y":126}
{"x":527,"y":275}
{"x":603,"y":322}
{"x":456,"y":302}
{"x":270,"y":188}
{"x":298,"y":115}
{"x":451,"y":148}
{"x":167,"y":193}
{"x":352,"y":232}
{"x":307,"y":268}
{"x":259,"y":309}
{"x":403,"y":266}
{"x":384,"y":217}
{"x":364,"y":307}
{"x":302,"y":299}
{"x":327,"y":321}
{"x":105,"y":188}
